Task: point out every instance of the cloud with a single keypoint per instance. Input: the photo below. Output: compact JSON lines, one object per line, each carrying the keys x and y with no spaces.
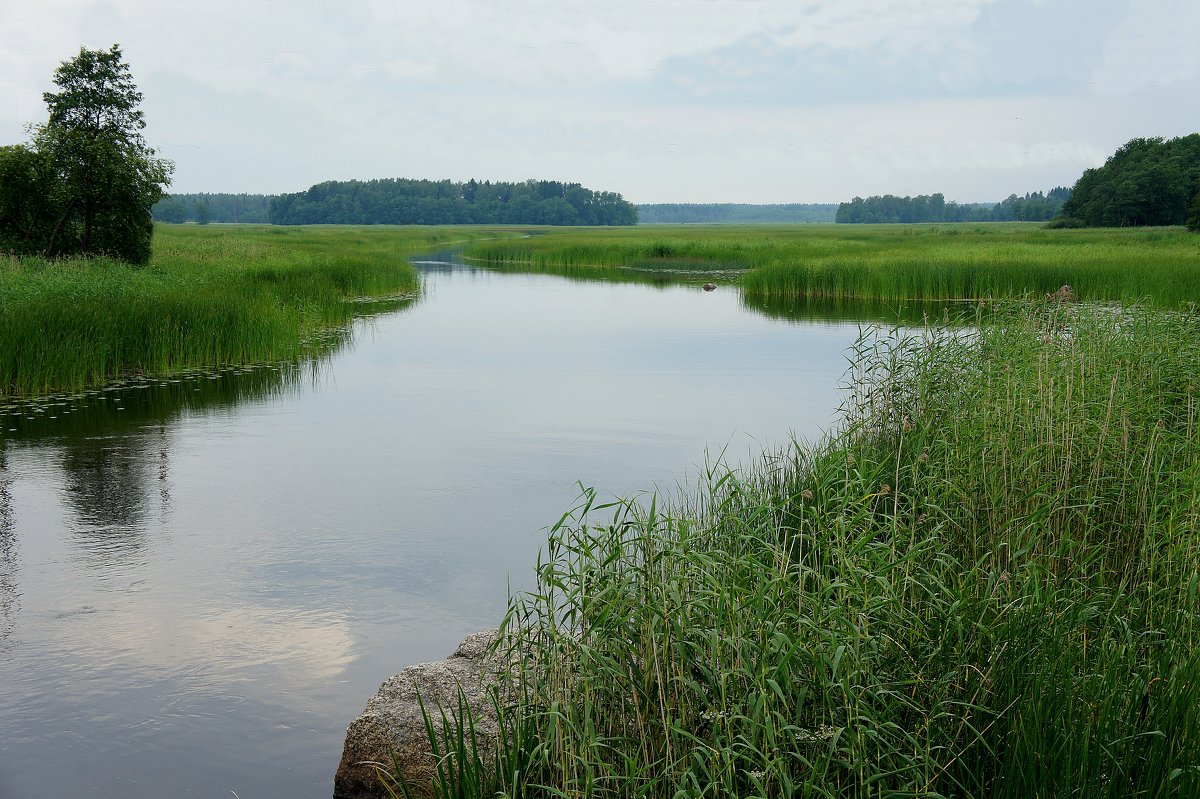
{"x":668,"y":100}
{"x":1154,"y":46}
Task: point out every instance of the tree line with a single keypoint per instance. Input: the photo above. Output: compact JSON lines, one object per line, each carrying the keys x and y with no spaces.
{"x":85,"y":182}
{"x":399,"y":201}
{"x":734,"y":213}
{"x":1151,"y":181}
{"x":205,"y":208}
{"x":890,"y":209}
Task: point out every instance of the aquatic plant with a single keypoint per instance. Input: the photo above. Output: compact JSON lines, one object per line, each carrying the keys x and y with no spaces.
{"x":886,"y":262}
{"x":211,"y":296}
{"x":984,"y":584}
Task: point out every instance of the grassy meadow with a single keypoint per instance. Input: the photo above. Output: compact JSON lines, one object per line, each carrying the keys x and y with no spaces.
{"x":211,"y":296}
{"x":986,"y":583}
{"x":883,"y":262}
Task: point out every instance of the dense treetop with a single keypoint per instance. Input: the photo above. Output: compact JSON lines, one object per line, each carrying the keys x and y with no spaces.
{"x":398,"y":201}
{"x":86,"y":182}
{"x":1145,"y":182}
{"x":1034,"y":207}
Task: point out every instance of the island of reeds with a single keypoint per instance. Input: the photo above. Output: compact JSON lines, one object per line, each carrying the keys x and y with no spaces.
{"x":882,"y":262}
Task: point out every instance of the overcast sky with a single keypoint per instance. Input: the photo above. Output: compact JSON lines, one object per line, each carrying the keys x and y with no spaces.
{"x":661,"y":100}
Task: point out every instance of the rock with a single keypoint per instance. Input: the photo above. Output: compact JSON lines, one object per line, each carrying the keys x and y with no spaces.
{"x":709,"y":287}
{"x":392,"y":721}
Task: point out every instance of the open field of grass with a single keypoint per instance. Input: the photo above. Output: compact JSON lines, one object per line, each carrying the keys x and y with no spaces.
{"x":884,"y":262}
{"x":985,"y":584}
{"x":211,"y":296}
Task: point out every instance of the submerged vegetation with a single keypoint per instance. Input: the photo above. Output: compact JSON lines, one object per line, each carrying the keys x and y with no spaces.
{"x":985,"y":584}
{"x":209,"y":297}
{"x":888,"y":263}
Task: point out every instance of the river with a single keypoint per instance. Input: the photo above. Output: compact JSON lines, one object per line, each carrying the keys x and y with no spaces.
{"x":203,"y":580}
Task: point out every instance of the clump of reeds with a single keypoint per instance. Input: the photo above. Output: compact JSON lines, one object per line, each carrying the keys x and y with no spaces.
{"x":985,"y":584}
{"x":211,"y":296}
{"x":888,"y":262}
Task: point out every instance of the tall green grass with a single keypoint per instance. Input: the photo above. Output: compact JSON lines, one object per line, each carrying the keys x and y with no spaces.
{"x":210,"y":296}
{"x":985,"y":584}
{"x":887,"y":262}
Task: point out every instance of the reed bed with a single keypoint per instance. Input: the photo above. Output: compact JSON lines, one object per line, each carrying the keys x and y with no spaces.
{"x":888,"y":262}
{"x":986,"y":583}
{"x":211,"y":296}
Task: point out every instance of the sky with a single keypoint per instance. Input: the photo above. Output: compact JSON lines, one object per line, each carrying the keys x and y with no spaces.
{"x":751,"y":101}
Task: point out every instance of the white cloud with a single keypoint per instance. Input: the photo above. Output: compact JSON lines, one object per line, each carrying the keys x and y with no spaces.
{"x":744,"y":100}
{"x":1156,"y":45}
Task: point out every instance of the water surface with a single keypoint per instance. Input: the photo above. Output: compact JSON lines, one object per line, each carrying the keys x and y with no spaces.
{"x":203,"y":580}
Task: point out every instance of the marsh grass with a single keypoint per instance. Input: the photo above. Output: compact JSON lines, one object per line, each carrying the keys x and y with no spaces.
{"x":889,"y":263}
{"x":211,"y":296}
{"x":986,"y":583}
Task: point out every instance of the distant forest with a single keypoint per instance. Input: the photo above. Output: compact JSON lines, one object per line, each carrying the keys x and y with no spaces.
{"x":733,"y":213}
{"x":395,"y":201}
{"x":1145,"y":182}
{"x":205,"y":208}
{"x":408,"y":202}
{"x":1035,"y":207}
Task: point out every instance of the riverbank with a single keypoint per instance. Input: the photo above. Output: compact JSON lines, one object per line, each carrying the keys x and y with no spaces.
{"x":211,"y":296}
{"x":984,"y":584}
{"x":889,"y":263}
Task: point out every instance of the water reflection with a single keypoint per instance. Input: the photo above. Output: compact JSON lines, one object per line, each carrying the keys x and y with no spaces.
{"x":114,"y":451}
{"x":8,"y":557}
{"x":846,"y":309}
{"x":106,"y":485}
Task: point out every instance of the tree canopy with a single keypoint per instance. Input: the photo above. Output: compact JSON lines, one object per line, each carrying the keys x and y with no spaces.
{"x":1033,"y":207}
{"x":398,"y":201}
{"x":85,"y":183}
{"x":1145,"y":182}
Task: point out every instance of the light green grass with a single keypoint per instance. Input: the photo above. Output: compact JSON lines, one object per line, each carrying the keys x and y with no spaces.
{"x":886,"y":262}
{"x":211,"y":296}
{"x":985,"y":584}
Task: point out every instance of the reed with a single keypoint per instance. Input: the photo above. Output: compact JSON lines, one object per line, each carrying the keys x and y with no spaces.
{"x":887,"y":262}
{"x":211,"y":296}
{"x":984,"y":584}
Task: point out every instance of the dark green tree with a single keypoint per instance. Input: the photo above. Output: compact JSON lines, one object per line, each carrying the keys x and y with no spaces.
{"x":96,"y":177}
{"x":1193,"y":222}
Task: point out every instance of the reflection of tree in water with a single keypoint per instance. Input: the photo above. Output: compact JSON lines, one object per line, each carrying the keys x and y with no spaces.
{"x":8,"y":555}
{"x":106,"y":485}
{"x":115,"y":448}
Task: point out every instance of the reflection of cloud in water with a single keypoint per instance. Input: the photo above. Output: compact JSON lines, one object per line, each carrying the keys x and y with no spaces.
{"x":219,"y":646}
{"x":303,"y":646}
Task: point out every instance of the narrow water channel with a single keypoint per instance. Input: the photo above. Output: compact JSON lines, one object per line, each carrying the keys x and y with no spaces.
{"x":202,"y":581}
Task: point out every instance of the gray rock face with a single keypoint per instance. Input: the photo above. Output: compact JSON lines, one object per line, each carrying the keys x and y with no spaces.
{"x":392,"y":721}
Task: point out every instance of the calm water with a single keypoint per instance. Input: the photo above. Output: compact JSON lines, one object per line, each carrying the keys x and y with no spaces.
{"x":202,"y":582}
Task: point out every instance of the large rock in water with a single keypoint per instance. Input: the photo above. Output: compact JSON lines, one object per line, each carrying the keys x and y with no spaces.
{"x":393,"y":724}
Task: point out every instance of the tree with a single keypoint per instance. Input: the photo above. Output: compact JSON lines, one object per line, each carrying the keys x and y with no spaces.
{"x":1193,"y":222}
{"x":96,"y":177}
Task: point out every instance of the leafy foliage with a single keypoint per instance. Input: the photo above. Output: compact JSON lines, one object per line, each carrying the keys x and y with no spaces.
{"x":1145,"y":182}
{"x":87,"y":181}
{"x":398,"y":201}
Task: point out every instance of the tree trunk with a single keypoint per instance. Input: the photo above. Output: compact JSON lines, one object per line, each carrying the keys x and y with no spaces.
{"x":57,"y":227}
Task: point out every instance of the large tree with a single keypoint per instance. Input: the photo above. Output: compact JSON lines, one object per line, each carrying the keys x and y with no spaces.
{"x":87,"y":182}
{"x":1145,"y":182}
